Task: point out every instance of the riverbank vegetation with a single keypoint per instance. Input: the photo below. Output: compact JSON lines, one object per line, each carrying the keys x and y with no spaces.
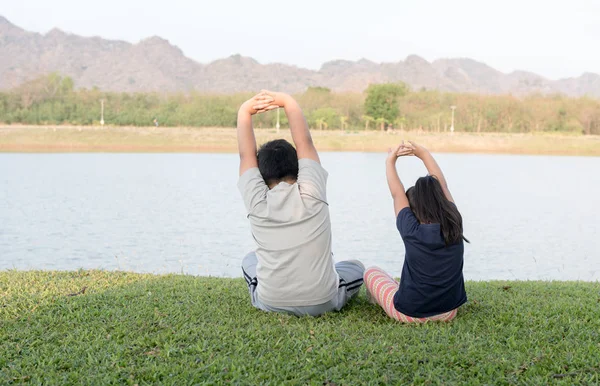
{"x":53,"y":100}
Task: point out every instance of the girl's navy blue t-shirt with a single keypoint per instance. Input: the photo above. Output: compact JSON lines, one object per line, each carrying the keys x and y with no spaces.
{"x":432,"y":277}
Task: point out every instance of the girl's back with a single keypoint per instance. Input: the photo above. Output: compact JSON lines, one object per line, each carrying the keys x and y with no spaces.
{"x":432,"y":280}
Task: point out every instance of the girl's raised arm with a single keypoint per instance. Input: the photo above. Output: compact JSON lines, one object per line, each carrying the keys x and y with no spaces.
{"x":432,"y":167}
{"x":394,"y":183}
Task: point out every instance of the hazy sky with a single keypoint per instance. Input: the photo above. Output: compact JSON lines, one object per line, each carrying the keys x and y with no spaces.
{"x":553,"y":38}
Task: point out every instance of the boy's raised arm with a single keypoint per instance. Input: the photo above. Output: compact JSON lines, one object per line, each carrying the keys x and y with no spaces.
{"x":298,"y":126}
{"x":245,"y":133}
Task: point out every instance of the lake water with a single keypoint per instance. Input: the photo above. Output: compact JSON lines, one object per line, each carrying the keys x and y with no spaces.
{"x":528,"y":217}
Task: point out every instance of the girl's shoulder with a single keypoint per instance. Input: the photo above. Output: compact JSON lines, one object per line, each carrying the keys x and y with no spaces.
{"x":406,"y":222}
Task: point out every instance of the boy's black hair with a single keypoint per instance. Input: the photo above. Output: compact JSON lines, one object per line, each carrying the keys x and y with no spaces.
{"x":277,"y":160}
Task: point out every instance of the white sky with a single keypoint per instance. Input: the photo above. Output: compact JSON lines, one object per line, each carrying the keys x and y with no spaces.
{"x":552,"y":38}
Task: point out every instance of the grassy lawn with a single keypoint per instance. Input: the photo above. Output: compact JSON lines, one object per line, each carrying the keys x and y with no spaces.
{"x":181,"y":139}
{"x":127,"y":328}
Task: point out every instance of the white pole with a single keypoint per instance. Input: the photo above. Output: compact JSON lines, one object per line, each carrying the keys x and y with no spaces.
{"x":102,"y":112}
{"x":452,"y":125}
{"x":277,"y":125}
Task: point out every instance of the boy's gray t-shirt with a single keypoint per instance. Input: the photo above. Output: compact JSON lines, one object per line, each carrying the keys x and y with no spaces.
{"x":292,"y":230}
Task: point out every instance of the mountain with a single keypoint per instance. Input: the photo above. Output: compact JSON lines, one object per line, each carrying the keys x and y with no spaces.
{"x":154,"y":64}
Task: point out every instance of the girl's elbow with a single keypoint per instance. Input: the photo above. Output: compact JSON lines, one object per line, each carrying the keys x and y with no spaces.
{"x":397,"y":194}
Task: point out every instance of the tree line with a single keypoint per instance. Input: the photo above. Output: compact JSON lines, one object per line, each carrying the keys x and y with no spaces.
{"x":53,"y":99}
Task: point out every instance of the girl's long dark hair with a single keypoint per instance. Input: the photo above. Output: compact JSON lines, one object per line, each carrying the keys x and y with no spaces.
{"x":430,"y":205}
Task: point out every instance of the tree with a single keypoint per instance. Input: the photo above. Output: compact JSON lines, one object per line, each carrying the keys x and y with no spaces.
{"x":321,"y":122}
{"x":381,"y":121}
{"x":318,"y":90}
{"x":401,"y":121}
{"x":367,"y":119}
{"x":589,"y":118}
{"x":382,"y":102}
{"x":324,"y":117}
{"x":343,"y":121}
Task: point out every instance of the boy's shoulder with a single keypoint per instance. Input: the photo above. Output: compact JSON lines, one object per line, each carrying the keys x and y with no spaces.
{"x":312,"y":180}
{"x":310,"y":164}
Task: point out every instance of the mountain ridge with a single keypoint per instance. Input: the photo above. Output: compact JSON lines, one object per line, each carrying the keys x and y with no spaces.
{"x":155,"y":64}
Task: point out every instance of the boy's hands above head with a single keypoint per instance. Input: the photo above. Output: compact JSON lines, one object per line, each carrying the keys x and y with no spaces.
{"x":264,"y":101}
{"x":260,"y":103}
{"x":279,"y":99}
{"x":268,"y":100}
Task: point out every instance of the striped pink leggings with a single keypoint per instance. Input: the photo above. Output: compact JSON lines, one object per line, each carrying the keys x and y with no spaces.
{"x":382,"y":287}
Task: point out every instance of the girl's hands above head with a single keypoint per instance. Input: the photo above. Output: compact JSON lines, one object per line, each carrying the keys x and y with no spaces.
{"x":405,"y":149}
{"x":398,"y":151}
{"x":402,"y":150}
{"x":417,"y":150}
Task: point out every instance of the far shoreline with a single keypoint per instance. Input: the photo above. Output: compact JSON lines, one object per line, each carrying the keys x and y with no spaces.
{"x":119,"y":139}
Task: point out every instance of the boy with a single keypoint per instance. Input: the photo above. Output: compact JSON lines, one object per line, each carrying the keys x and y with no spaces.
{"x":283,"y":188}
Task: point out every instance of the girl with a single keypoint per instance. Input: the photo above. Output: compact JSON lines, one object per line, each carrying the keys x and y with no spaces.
{"x":431,"y":286}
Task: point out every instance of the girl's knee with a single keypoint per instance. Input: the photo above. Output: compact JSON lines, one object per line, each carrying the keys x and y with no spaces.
{"x":371,"y":271}
{"x":451,"y":315}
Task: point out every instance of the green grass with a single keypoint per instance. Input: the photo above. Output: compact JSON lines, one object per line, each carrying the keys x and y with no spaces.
{"x":145,"y":329}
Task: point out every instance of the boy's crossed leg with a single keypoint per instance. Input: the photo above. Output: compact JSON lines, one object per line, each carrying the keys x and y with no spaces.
{"x":351,"y":274}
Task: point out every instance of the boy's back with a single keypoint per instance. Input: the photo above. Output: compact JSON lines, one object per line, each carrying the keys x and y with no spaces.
{"x":291,"y":226}
{"x":292,"y":269}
